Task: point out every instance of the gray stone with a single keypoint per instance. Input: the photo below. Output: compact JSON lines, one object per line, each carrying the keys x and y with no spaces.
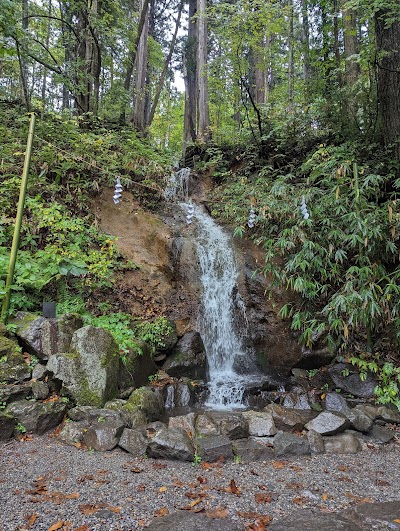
{"x":177,"y":395}
{"x":13,"y":368}
{"x":190,"y":521}
{"x":297,"y":401}
{"x":72,"y":432}
{"x":133,"y":442}
{"x":384,"y":413}
{"x":261,"y":423}
{"x":381,"y":515}
{"x":37,"y":417}
{"x":188,"y":358}
{"x":89,"y":373}
{"x":328,"y":423}
{"x":214,"y":447}
{"x":144,"y":401}
{"x":290,"y":444}
{"x":103,"y":435}
{"x":171,"y":444}
{"x":184,"y":422}
{"x":316,"y":442}
{"x":92,"y":414}
{"x":29,"y":332}
{"x":352,"y":383}
{"x":38,"y":371}
{"x":7,"y":425}
{"x":344,"y":443}
{"x":136,"y":368}
{"x":336,"y":402}
{"x":205,"y":425}
{"x":40,"y":390}
{"x":14,"y":392}
{"x":249,"y":450}
{"x":310,"y":520}
{"x":381,"y":435}
{"x":287,"y":419}
{"x":233,"y":425}
{"x":360,"y":419}
{"x":132,"y":418}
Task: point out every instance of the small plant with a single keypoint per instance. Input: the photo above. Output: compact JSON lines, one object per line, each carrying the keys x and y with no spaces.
{"x":101,"y":419}
{"x":197,"y":459}
{"x":3,"y":405}
{"x":20,"y":427}
{"x":65,"y":399}
{"x":312,"y":372}
{"x":237,"y":459}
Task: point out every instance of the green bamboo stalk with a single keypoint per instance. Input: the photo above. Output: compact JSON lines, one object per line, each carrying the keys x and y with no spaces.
{"x":18,"y":220}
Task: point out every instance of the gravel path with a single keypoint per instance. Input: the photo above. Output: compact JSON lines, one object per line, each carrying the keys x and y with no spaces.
{"x":43,"y":482}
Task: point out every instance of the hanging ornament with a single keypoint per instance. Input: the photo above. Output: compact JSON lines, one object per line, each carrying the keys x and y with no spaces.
{"x":117,"y":193}
{"x":252,"y":218}
{"x":303,"y":208}
{"x":190,"y":213}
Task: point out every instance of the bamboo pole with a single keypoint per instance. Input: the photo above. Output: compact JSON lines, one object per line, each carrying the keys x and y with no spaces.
{"x":18,"y":220}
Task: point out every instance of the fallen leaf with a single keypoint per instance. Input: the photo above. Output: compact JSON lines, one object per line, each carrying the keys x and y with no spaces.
{"x":162,"y":489}
{"x":161,"y":512}
{"x":345,"y":479}
{"x":178,"y":483}
{"x":196,"y":495}
{"x":88,"y":508}
{"x":279,"y":464}
{"x":294,"y":486}
{"x":300,"y":500}
{"x":249,"y":515}
{"x":343,"y":468}
{"x":397,"y":521}
{"x":82,"y":528}
{"x":263,"y":498}
{"x":136,"y":470}
{"x":141,"y":487}
{"x":57,"y":525}
{"x":382,"y":483}
{"x":201,"y":480}
{"x":325,"y":496}
{"x":254,"y":472}
{"x":32,"y":519}
{"x":296,"y":468}
{"x":141,"y":523}
{"x":218,"y":512}
{"x":72,"y":496}
{"x":233,"y":488}
{"x":159,"y":466}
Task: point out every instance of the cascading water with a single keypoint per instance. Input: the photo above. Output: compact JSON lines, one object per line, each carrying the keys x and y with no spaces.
{"x":223,"y":345}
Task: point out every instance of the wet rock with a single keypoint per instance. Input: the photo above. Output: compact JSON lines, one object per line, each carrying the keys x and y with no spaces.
{"x":297,"y":401}
{"x":360,"y":419}
{"x":133,"y":442}
{"x":72,"y":432}
{"x":188,"y":358}
{"x":37,"y":417}
{"x":89,"y":374}
{"x":352,"y":383}
{"x":104,"y":435}
{"x":132,"y":418}
{"x":383,"y":515}
{"x":169,"y":339}
{"x":177,"y":395}
{"x":316,"y":442}
{"x":190,"y":521}
{"x":315,"y":358}
{"x":7,"y":425}
{"x":40,"y":390}
{"x":261,"y":423}
{"x":336,"y":402}
{"x":13,"y":368}
{"x":184,"y":422}
{"x":328,"y":423}
{"x":214,"y":447}
{"x":233,"y":425}
{"x":311,"y":520}
{"x":286,"y":419}
{"x":136,"y":368}
{"x":29,"y":332}
{"x":381,"y":435}
{"x":171,"y":444}
{"x":144,"y":400}
{"x":290,"y":444}
{"x":344,"y":443}
{"x":248,"y":450}
{"x":13,"y":392}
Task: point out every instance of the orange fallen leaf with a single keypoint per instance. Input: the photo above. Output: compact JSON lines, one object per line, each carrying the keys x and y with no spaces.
{"x":233,"y":488}
{"x":162,"y":489}
{"x":159,"y":466}
{"x":218,"y":512}
{"x":249,"y":515}
{"x":136,"y":470}
{"x":72,"y":496}
{"x":325,"y":496}
{"x":260,"y":524}
{"x":141,"y":523}
{"x":32,"y":519}
{"x":294,"y":486}
{"x":279,"y":464}
{"x":296,"y":468}
{"x":263,"y":498}
{"x":57,"y":525}
{"x":397,"y":521}
{"x":201,"y":480}
{"x":178,"y":483}
{"x":82,"y":528}
{"x":161,"y":512}
{"x":343,"y":468}
{"x":141,"y":487}
{"x":300,"y":500}
{"x":88,"y":508}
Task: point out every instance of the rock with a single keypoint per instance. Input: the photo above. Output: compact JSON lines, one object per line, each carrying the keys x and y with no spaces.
{"x":383,"y":515}
{"x":145,"y":401}
{"x":37,"y":417}
{"x":352,"y":383}
{"x":316,"y":442}
{"x":169,"y":339}
{"x":360,"y":419}
{"x":213,"y":448}
{"x":92,"y":414}
{"x":188,"y":358}
{"x":297,"y":401}
{"x":7,"y":425}
{"x":44,"y":337}
{"x":384,"y":413}
{"x":89,"y":374}
{"x":315,"y":358}
{"x":311,"y":520}
{"x":290,"y":444}
{"x":184,"y":422}
{"x":336,"y":402}
{"x":40,"y":390}
{"x":205,"y":425}
{"x":132,"y":418}
{"x":233,"y":425}
{"x":171,"y":444}
{"x":38,"y":371}
{"x":133,"y":442}
{"x":13,"y":368}
{"x":286,"y":419}
{"x":72,"y":432}
{"x":103,"y":435}
{"x":261,"y":423}
{"x":190,"y":521}
{"x":177,"y":395}
{"x":136,"y":368}
{"x":381,"y":435}
{"x":13,"y":392}
{"x":344,"y":443}
{"x":328,"y":423}
{"x":248,"y":450}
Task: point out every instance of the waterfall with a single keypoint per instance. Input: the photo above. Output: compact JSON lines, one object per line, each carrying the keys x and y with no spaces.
{"x":178,"y":185}
{"x":223,"y":343}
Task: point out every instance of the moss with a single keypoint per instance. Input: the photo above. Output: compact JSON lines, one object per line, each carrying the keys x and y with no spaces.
{"x":23,"y":323}
{"x":71,"y":355}
{"x":88,"y":397}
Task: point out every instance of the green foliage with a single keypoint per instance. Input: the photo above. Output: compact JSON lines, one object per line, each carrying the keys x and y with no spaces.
{"x":153,"y":333}
{"x":120,"y":326}
{"x":20,"y":427}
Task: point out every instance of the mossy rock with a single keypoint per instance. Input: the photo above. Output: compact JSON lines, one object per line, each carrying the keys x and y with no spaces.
{"x":144,"y":400}
{"x":13,"y":368}
{"x":135,"y":369}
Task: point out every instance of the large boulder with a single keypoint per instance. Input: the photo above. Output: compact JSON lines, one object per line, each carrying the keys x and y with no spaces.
{"x":171,"y":444}
{"x":144,"y":401}
{"x":133,"y":442}
{"x":103,"y":435}
{"x":346,"y":377}
{"x":233,"y":425}
{"x":13,"y":368}
{"x":7,"y":425}
{"x":328,"y":423}
{"x":344,"y":443}
{"x":37,"y":417}
{"x":136,"y":367}
{"x":288,"y":419}
{"x":261,"y":423}
{"x":188,"y":358}
{"x":290,"y":444}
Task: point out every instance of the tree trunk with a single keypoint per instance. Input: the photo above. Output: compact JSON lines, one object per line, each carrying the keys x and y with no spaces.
{"x":22,"y":61}
{"x":306,"y":45}
{"x":351,"y":45}
{"x":138,"y":115}
{"x":203,"y":117}
{"x":44,"y":80}
{"x":190,"y":75}
{"x":388,"y":64}
{"x":290,"y":57}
